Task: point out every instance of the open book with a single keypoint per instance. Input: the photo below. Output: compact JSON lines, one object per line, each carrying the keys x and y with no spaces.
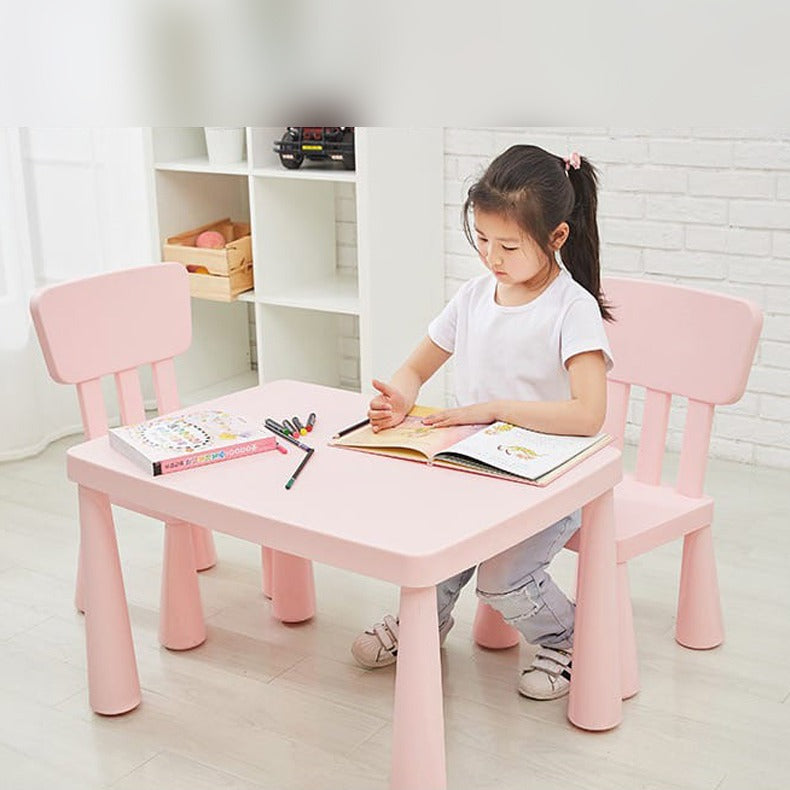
{"x":498,"y":449}
{"x":175,"y":442}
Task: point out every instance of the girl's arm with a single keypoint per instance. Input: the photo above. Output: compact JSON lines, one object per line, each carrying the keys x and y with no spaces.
{"x":582,"y":415}
{"x":397,"y":398}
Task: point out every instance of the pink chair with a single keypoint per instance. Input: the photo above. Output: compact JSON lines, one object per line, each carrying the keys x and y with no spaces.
{"x":698,"y":345}
{"x":112,"y":324}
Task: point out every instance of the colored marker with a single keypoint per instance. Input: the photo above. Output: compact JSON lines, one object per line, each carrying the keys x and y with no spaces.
{"x":270,"y":423}
{"x":275,"y":424}
{"x":351,"y":428}
{"x":285,"y":435}
{"x":291,"y":428}
{"x":307,"y":456}
{"x":281,"y":449}
{"x":299,"y":427}
{"x":310,"y":421}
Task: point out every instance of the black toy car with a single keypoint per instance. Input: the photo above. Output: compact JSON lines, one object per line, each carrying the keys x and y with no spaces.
{"x":317,"y":143}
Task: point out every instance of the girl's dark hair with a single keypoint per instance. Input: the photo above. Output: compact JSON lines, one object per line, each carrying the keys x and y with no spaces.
{"x":533,"y":187}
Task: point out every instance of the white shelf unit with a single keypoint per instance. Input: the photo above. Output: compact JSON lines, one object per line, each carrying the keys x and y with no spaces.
{"x":348,"y":264}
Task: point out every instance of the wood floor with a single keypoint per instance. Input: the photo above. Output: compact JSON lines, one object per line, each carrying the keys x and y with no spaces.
{"x":261,"y":705}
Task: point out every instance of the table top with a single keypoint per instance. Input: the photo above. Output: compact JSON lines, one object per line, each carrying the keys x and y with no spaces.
{"x":392,"y":519}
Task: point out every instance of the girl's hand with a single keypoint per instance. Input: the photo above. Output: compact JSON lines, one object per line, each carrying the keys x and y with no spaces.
{"x":387,"y":409}
{"x":478,"y":413}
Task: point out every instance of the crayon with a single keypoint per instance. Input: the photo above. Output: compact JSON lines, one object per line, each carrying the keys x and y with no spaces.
{"x":307,"y":456}
{"x":291,"y":428}
{"x":350,"y":428}
{"x":285,"y":435}
{"x":275,"y":424}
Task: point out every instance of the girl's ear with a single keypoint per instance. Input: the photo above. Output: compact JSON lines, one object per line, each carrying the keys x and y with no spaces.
{"x":559,"y":236}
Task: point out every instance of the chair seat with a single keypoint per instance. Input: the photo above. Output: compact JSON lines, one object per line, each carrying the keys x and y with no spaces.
{"x":647,"y":516}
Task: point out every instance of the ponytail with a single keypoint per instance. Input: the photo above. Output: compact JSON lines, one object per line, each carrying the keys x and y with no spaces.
{"x":540,"y":190}
{"x":581,"y":251}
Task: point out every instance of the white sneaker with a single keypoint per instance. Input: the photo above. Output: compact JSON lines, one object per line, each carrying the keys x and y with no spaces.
{"x":378,"y":647}
{"x":549,"y":675}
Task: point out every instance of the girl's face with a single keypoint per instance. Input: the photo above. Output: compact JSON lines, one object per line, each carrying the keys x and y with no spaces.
{"x":509,"y":253}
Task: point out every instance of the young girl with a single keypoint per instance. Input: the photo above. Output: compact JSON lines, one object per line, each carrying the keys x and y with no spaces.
{"x":530,"y":349}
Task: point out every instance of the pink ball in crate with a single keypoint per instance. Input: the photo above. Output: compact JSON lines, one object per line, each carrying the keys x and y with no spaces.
{"x":212,"y":239}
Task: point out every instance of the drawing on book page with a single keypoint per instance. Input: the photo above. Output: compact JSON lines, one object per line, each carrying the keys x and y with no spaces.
{"x":191,"y":432}
{"x":519,"y":451}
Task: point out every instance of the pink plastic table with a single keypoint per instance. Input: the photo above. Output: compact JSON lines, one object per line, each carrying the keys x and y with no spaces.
{"x":407,"y":523}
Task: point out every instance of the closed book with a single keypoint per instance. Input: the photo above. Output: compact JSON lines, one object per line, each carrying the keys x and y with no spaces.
{"x":173,"y":443}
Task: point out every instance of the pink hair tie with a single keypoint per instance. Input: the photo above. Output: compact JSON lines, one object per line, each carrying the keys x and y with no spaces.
{"x":573,"y":161}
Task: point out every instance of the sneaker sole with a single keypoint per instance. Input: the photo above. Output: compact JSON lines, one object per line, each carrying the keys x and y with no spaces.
{"x":373,"y":664}
{"x":544,"y":697}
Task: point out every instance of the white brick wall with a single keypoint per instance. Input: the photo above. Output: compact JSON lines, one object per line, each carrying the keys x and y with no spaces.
{"x":708,"y":208}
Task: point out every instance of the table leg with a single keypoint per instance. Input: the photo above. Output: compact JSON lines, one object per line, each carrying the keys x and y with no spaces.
{"x":204,"y":553}
{"x":266,"y":569}
{"x":418,"y":761}
{"x":293,"y":589}
{"x":112,"y":669}
{"x":595,"y":701}
{"x":181,"y":623}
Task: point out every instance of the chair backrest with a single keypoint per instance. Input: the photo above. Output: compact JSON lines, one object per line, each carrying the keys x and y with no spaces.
{"x":112,"y":324}
{"x":674,"y":340}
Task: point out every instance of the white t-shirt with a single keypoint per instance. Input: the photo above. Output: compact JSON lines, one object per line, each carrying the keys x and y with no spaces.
{"x":518,"y":353}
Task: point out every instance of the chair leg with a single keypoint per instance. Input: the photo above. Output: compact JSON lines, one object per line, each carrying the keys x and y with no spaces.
{"x":79,"y":591}
{"x":490,"y":629}
{"x":203,"y":543}
{"x":629,"y":663}
{"x":181,"y":623}
{"x":293,"y":588}
{"x":699,"y":620}
{"x":113,"y":683}
{"x":266,"y":571}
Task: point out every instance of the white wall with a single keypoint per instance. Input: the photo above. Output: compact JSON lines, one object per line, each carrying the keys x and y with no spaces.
{"x":79,"y":206}
{"x":707,"y":208}
{"x":81,"y":203}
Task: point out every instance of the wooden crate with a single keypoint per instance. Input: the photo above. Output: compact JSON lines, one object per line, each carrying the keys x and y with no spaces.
{"x":229,"y":269}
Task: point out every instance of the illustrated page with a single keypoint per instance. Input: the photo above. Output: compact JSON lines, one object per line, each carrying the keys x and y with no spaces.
{"x":519,"y":451}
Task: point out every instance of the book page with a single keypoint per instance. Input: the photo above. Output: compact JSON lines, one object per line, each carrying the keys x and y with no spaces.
{"x":410,"y":434}
{"x":521,"y":452}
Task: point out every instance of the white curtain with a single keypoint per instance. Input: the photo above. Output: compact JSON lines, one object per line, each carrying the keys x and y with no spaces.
{"x":73,"y":202}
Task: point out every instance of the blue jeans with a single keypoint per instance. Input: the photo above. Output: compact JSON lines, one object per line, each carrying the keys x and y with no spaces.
{"x":516,"y":584}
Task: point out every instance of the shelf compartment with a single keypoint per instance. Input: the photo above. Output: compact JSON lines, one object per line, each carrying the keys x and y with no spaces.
{"x":300,"y":344}
{"x":183,"y":148}
{"x":295,"y":247}
{"x":188,"y":200}
{"x":266,"y":162}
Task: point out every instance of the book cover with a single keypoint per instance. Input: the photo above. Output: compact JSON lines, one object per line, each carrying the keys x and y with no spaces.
{"x":498,"y":449}
{"x":185,"y":441}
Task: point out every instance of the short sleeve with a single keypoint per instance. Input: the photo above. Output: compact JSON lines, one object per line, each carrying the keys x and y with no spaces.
{"x":442,"y":330}
{"x":583,"y":330}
